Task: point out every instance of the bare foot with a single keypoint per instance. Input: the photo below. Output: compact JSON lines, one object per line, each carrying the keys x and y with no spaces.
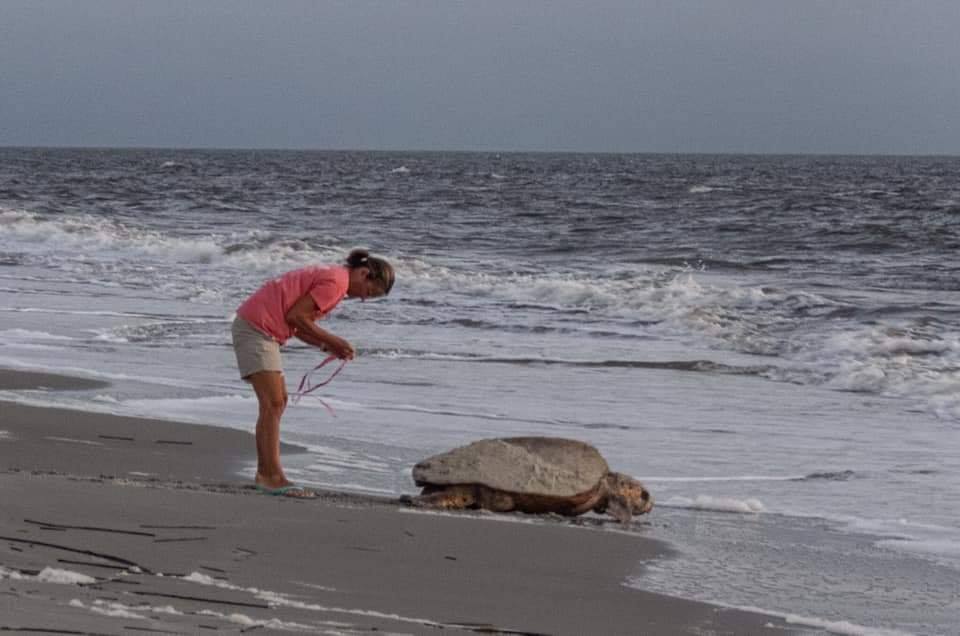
{"x":283,"y":488}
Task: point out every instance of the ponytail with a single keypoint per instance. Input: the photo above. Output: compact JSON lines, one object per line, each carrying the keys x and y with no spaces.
{"x":380,"y":269}
{"x":357,"y":258}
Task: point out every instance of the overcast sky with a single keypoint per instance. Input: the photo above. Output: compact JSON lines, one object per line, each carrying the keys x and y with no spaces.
{"x":780,"y":76}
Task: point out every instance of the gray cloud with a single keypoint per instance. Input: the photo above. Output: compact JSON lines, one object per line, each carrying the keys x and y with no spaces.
{"x":698,"y":76}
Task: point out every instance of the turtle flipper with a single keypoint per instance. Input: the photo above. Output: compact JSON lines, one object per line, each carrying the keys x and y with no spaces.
{"x":495,"y":500}
{"x":448,"y":498}
{"x":619,"y":509}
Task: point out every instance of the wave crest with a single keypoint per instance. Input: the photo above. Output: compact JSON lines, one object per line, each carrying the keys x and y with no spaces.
{"x":715,"y":504}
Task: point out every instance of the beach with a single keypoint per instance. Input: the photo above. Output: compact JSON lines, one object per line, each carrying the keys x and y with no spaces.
{"x":716,"y":242}
{"x":767,"y":343}
{"x":114,"y":524}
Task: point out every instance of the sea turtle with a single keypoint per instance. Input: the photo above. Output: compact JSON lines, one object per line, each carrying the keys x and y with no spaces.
{"x":529,"y":474}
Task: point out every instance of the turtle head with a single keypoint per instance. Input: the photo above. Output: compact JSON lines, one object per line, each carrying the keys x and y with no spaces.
{"x":625,"y":497}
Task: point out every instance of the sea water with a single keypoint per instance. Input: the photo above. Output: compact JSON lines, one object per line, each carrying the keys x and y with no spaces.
{"x":769,"y":343}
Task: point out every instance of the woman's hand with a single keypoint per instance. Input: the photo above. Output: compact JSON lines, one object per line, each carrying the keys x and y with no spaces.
{"x":300,"y":319}
{"x":339,"y":347}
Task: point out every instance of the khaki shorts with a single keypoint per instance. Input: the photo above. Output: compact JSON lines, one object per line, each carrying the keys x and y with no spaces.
{"x":255,"y":350}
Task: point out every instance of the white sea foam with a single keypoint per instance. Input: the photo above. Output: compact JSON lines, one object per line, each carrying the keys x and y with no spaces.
{"x":42,"y":399}
{"x":72,"y":237}
{"x":901,"y":364}
{"x":271,"y":623}
{"x":86,"y":232}
{"x":165,"y":609}
{"x":109,"y":336}
{"x":206,"y":579}
{"x":314,"y":586}
{"x":277,"y":599}
{"x":846,"y":628}
{"x":700,"y":189}
{"x":48,"y":575}
{"x":883,"y":362}
{"x":718,"y":504}
{"x":111,"y":609}
{"x":64,"y":577}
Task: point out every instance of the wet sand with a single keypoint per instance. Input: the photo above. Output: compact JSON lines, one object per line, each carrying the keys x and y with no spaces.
{"x":114,"y":525}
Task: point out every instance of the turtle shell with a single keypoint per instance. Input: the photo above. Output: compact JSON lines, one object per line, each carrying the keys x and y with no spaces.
{"x":550,"y":466}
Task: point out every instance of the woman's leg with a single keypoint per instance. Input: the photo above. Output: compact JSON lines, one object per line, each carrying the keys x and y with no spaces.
{"x":271,"y":393}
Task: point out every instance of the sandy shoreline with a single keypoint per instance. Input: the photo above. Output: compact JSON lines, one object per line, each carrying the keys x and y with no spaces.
{"x":161,"y":535}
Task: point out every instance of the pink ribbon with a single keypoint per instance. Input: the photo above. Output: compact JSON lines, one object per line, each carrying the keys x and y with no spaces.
{"x":307,"y":387}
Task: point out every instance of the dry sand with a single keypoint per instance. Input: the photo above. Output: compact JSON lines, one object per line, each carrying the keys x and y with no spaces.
{"x":116,"y":525}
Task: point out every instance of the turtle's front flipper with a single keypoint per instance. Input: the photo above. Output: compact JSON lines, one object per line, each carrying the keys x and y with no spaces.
{"x":449,"y":498}
{"x":494,"y":500}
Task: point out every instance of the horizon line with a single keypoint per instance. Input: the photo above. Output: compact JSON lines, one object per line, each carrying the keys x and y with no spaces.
{"x":475,"y":151}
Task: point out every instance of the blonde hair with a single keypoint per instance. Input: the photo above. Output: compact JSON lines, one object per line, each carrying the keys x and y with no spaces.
{"x":380,"y":269}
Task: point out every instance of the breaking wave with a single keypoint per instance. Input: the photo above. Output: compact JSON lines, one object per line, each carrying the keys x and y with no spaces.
{"x":715,"y":504}
{"x":814,"y":338}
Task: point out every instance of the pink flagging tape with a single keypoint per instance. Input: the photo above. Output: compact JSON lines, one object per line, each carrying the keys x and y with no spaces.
{"x":307,"y":387}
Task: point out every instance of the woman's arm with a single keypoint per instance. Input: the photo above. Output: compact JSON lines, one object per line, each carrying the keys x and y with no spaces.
{"x":300,"y":318}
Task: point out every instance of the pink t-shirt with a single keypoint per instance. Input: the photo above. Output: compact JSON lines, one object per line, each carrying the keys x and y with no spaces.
{"x":267,"y":308}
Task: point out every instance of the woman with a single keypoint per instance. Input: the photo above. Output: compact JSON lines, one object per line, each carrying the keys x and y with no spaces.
{"x":289,"y":306}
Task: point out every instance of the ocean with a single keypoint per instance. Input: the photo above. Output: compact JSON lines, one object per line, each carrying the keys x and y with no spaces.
{"x":770,"y":343}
